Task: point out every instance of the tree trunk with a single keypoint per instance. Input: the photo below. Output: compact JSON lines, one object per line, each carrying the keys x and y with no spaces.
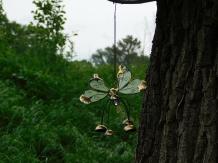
{"x":179,"y":120}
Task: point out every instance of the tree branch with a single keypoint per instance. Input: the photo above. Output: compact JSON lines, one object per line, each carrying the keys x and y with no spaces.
{"x":131,"y":1}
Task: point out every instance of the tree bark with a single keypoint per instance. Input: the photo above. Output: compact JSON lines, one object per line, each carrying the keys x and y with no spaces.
{"x":179,"y":119}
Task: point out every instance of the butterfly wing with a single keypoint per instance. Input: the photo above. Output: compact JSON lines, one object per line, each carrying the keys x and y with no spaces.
{"x":123,"y":79}
{"x":94,"y":95}
{"x":131,"y":88}
{"x":99,"y":85}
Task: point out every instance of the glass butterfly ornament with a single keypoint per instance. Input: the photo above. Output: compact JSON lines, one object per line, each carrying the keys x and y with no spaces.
{"x":99,"y":91}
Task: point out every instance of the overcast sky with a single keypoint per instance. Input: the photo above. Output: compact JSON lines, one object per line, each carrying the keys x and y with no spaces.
{"x":93,"y":21}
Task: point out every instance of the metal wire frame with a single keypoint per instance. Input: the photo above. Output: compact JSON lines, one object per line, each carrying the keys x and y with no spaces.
{"x":108,"y":107}
{"x":126,"y":108}
{"x":103,"y":111}
{"x":109,"y":102}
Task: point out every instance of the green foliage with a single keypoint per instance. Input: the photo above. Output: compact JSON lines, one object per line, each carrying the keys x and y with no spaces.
{"x":43,"y":120}
{"x":41,"y":117}
{"x":50,"y":20}
{"x":1,"y":8}
{"x":127,"y":50}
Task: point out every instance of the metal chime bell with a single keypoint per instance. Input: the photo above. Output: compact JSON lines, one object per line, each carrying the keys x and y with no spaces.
{"x":100,"y":128}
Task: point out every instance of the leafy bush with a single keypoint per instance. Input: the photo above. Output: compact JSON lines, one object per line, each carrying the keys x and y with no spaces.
{"x":41,"y":117}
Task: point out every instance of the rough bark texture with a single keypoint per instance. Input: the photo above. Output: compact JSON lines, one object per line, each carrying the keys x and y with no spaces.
{"x":179,"y":120}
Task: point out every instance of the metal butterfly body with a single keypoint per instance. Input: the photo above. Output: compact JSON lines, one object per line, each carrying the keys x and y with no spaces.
{"x":100,"y":91}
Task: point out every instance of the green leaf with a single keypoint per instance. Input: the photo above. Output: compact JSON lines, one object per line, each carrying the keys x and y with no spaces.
{"x":99,"y":85}
{"x":124,"y":79}
{"x":94,"y":95}
{"x":131,"y":88}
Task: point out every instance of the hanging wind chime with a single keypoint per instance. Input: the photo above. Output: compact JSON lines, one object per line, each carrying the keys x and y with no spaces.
{"x":124,"y":85}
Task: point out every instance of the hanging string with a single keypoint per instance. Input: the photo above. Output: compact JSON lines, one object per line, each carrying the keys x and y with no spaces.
{"x":115,"y":42}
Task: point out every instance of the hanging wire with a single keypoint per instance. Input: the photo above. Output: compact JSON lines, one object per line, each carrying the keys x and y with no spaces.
{"x":115,"y":42}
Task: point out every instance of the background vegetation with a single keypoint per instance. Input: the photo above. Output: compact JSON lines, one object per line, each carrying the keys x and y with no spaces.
{"x":41,"y":117}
